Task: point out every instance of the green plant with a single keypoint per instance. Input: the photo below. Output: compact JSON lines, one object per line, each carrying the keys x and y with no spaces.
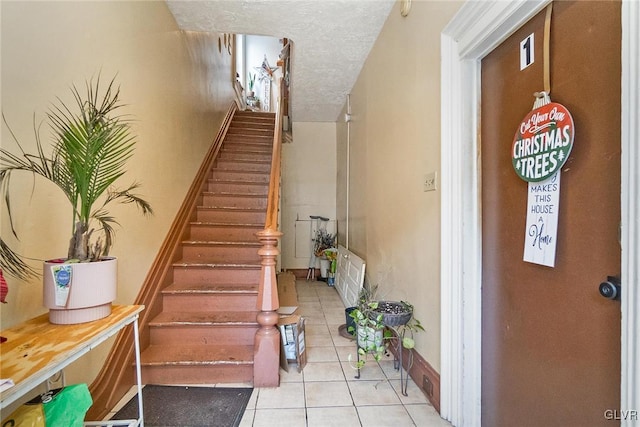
{"x":374,"y":315}
{"x":252,"y":81}
{"x":369,"y":332}
{"x":90,"y":149}
{"x":323,"y":241}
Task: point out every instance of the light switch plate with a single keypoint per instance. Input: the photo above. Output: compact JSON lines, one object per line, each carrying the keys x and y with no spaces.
{"x":430,"y":181}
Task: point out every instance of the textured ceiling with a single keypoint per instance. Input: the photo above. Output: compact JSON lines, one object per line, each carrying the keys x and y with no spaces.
{"x":332,"y":39}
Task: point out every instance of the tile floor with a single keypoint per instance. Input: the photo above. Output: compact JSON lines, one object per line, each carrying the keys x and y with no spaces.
{"x":326,"y":393}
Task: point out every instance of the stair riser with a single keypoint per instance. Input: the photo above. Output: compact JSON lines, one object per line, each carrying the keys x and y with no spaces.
{"x":186,"y":335}
{"x":251,"y":157}
{"x":208,"y":302}
{"x":239,"y":188}
{"x":224,"y":234}
{"x":254,"y":119}
{"x":237,"y":140}
{"x":238,"y":147}
{"x":253,"y":131}
{"x":219,"y":254}
{"x":195,"y":275}
{"x":205,"y":374}
{"x":222,"y":164}
{"x":206,"y":215}
{"x":254,"y":127}
{"x":254,"y":115}
{"x":248,"y":141}
{"x":224,"y":201}
{"x":242,"y":176}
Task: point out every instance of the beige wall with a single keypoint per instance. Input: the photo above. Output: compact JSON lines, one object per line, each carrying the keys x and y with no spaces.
{"x":308,"y":187}
{"x":176,"y":97}
{"x":394,"y":141}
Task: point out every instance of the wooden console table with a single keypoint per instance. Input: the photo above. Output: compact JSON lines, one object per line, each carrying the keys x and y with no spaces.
{"x":36,"y":350}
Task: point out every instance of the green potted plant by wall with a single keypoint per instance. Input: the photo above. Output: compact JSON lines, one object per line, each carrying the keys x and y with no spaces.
{"x":378,"y":323}
{"x":90,"y":148}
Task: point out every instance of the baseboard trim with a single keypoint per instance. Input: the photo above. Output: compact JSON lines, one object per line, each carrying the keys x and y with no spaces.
{"x":426,"y":378}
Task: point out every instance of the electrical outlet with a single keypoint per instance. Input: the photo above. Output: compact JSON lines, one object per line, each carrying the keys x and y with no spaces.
{"x":430,"y":181}
{"x":427,"y":386}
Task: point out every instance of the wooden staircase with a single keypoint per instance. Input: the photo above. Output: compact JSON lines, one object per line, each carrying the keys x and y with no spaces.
{"x":205,"y":331}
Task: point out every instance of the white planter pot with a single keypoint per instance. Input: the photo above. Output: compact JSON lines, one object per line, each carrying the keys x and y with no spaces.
{"x":324,"y":267}
{"x":368,"y":337}
{"x":93,"y":288}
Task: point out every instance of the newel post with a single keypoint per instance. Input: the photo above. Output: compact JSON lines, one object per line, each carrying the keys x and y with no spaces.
{"x":266,"y":354}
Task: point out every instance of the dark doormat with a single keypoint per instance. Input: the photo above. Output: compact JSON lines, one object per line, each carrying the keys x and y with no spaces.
{"x":177,"y":406}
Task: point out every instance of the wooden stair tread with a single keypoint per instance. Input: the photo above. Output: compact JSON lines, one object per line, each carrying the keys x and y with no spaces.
{"x":236,"y":181}
{"x":243,"y":172}
{"x":260,"y":162}
{"x":240,"y":149}
{"x":207,"y":354}
{"x":205,"y":318}
{"x":239,"y":243}
{"x":229,"y":265}
{"x":209,"y":288}
{"x":233,"y":208}
{"x":227,"y":224}
{"x":232,"y":194}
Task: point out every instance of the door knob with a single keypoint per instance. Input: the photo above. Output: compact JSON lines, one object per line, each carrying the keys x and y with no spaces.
{"x":610,"y":289}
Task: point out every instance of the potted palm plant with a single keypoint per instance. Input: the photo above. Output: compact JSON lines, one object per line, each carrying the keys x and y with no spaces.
{"x":91,"y":145}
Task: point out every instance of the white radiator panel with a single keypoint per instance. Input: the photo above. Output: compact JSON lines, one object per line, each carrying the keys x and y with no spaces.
{"x":349,"y":276}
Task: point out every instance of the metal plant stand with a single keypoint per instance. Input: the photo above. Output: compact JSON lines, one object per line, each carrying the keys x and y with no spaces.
{"x":396,"y":343}
{"x":397,"y":358}
{"x":393,"y":322}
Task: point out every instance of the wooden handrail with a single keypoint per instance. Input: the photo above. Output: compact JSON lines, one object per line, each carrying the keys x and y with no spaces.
{"x":266,"y":356}
{"x":273,"y":201}
{"x":116,"y":376}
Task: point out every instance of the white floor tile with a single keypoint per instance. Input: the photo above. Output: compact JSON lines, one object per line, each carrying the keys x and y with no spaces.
{"x":414,"y":394}
{"x":288,"y":395}
{"x":280,"y":418}
{"x":345,"y":416}
{"x":426,"y":415}
{"x":367,"y":393}
{"x":322,"y":354}
{"x":323,"y":371}
{"x":327,"y":393}
{"x":385,"y":416}
{"x":370,"y":371}
{"x":291,"y":376}
{"x":247,"y":418}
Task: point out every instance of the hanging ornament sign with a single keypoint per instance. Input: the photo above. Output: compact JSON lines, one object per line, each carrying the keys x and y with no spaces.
{"x":543,"y":142}
{"x":540,"y":148}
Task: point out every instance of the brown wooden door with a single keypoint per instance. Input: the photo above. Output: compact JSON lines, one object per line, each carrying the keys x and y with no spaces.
{"x":550,"y":342}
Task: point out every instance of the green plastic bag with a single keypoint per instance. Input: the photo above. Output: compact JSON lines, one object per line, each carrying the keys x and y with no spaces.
{"x":62,"y":407}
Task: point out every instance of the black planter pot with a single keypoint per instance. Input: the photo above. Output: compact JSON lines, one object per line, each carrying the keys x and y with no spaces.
{"x":350,"y":322}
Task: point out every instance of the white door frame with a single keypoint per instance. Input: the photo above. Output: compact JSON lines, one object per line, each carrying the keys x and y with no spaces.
{"x":477,"y":29}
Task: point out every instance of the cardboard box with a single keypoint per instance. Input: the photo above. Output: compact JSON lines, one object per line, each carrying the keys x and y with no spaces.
{"x":291,"y":324}
{"x":293,"y":345}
